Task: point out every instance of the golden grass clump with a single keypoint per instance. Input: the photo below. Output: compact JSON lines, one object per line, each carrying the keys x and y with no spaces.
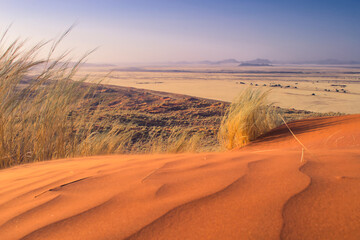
{"x":38,"y":105}
{"x":248,"y":116}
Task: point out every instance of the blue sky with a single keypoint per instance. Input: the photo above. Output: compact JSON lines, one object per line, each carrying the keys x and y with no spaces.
{"x":192,"y":30}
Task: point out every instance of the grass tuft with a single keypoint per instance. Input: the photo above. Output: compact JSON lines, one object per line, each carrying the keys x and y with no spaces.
{"x":248,"y":116}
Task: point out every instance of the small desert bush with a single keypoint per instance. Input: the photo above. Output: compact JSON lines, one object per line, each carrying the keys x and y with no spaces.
{"x":248,"y":116}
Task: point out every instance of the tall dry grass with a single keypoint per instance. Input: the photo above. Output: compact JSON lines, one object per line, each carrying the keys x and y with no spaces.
{"x":45,"y":114}
{"x":248,"y":116}
{"x":37,"y":110}
{"x":178,"y":140}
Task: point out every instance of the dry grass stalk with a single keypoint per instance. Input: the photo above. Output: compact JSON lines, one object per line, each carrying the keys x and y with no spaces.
{"x":248,"y":117}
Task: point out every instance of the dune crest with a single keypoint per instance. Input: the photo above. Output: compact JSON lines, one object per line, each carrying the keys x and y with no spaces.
{"x":268,"y":190}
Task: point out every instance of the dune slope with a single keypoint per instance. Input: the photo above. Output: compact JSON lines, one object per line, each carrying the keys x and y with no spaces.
{"x":271,"y":189}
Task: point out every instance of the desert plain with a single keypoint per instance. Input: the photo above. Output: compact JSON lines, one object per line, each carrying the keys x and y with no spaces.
{"x":336,"y":88}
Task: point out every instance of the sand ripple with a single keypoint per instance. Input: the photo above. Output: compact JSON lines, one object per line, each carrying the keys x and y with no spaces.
{"x":262,"y":191}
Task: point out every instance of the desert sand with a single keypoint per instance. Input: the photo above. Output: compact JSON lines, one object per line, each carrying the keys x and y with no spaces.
{"x":270,"y":189}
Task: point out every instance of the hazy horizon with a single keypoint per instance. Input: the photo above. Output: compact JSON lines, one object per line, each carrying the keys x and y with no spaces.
{"x":139,"y":31}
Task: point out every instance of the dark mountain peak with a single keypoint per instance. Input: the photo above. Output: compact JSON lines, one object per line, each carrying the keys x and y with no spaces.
{"x":257,"y":62}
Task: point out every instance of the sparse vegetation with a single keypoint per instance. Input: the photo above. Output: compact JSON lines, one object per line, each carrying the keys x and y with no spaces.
{"x":48,"y":115}
{"x":45,"y":114}
{"x":249,"y":116}
{"x":36,"y":115}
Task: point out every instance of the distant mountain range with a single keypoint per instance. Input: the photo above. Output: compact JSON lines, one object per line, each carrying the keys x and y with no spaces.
{"x":225,"y":61}
{"x":257,"y":62}
{"x":234,"y":62}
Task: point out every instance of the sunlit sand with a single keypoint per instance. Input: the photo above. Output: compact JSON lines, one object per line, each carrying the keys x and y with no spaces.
{"x":298,"y":84}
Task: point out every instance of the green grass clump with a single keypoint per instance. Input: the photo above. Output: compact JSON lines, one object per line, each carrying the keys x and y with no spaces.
{"x":248,"y":116}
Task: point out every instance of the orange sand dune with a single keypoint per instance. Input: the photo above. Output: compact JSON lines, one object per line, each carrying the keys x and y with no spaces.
{"x":270,"y":189}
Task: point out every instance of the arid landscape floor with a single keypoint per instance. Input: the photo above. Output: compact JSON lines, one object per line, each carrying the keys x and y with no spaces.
{"x":270,"y":189}
{"x":317,"y":88}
